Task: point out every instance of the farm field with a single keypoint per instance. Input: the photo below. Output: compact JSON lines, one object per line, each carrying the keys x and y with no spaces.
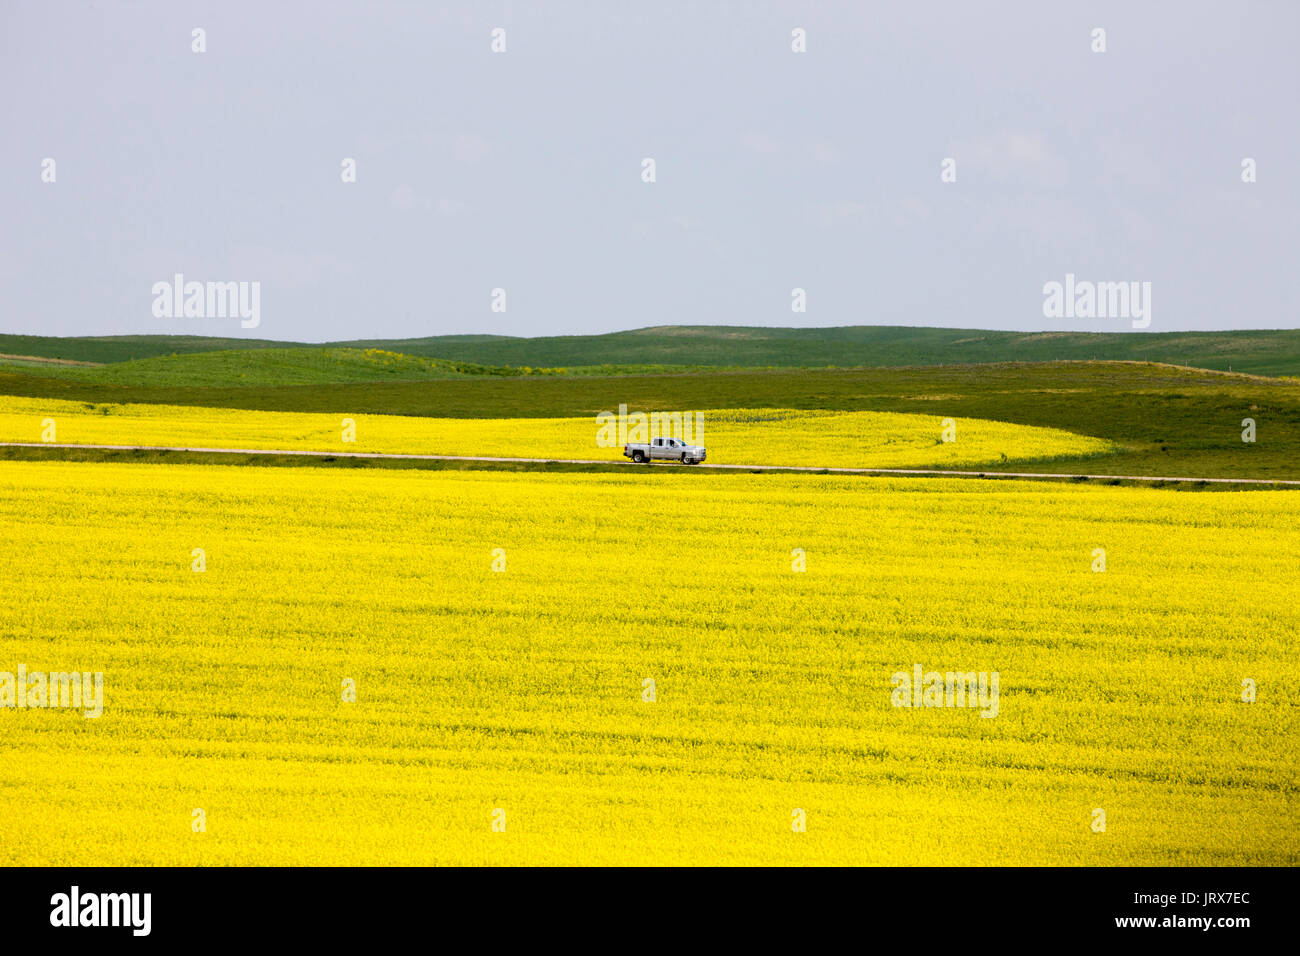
{"x":1166,"y":420}
{"x":521,"y":690}
{"x":734,"y":436}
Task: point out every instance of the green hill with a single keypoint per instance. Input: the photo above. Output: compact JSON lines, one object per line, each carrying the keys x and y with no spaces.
{"x":300,"y":365}
{"x":1256,"y":351}
{"x":124,"y":348}
{"x":1259,"y":352}
{"x":305,"y":365}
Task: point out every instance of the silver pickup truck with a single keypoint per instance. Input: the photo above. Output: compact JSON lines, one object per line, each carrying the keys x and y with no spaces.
{"x":665,"y":449}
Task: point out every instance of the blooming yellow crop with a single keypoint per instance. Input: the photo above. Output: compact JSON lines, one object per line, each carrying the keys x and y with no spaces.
{"x":334,"y":666}
{"x":732,"y":436}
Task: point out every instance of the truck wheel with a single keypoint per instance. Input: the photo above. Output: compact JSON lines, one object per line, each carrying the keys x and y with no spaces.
{"x":638,"y":457}
{"x":683,"y":458}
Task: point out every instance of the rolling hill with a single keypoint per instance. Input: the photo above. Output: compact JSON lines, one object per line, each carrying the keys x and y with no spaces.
{"x":298,"y":365}
{"x":1256,"y":351}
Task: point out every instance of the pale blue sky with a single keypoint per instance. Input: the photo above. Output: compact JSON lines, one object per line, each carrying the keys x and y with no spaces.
{"x":522,"y":170}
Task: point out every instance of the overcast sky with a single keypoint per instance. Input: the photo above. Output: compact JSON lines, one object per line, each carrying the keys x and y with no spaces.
{"x":523,"y":170}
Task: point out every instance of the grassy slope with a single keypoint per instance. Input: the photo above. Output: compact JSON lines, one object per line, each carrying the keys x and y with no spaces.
{"x":124,"y":348}
{"x":269,"y":366}
{"x":1174,"y":421}
{"x":1263,"y":352}
{"x":300,"y":365}
{"x":282,"y":366}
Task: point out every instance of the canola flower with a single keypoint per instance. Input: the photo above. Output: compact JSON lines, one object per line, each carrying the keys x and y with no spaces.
{"x":733,"y":436}
{"x":499,"y":630}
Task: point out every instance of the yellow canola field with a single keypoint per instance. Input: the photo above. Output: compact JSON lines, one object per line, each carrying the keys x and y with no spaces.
{"x":732,"y":436}
{"x":519,"y":696}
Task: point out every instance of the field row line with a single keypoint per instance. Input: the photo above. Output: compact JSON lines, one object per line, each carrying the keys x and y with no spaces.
{"x":932,"y":472}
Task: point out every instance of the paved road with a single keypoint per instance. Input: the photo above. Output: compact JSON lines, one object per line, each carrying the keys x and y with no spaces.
{"x":608,"y":461}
